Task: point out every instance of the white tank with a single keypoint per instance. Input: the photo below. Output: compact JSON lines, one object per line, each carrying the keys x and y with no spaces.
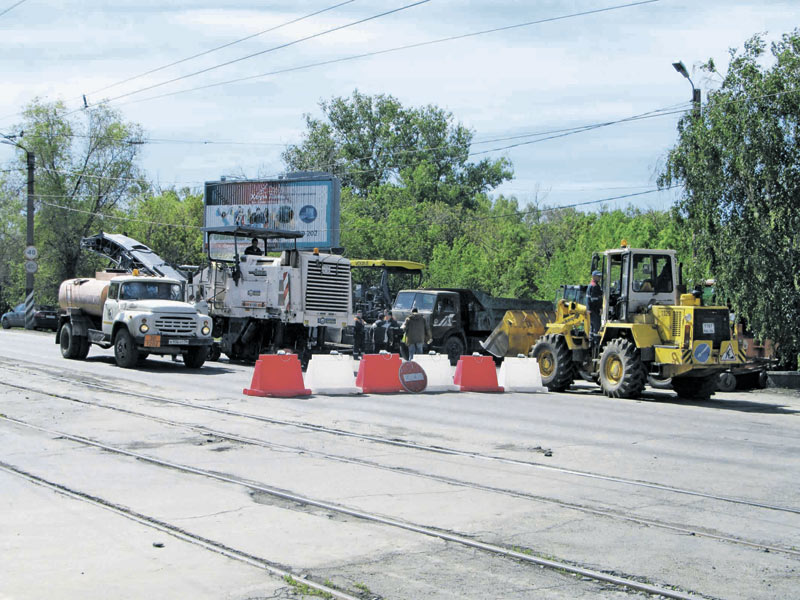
{"x":87,"y":294}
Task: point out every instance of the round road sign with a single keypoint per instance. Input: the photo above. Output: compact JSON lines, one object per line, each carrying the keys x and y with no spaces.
{"x":31,"y":253}
{"x":412,"y":377}
{"x":31,"y":266}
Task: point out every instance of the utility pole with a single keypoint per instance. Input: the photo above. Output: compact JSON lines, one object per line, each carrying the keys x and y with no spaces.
{"x":31,"y":266}
{"x":30,"y":253}
{"x":681,"y":68}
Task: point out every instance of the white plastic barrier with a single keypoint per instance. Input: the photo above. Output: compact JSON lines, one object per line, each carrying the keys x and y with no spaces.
{"x":520,"y":374}
{"x":439,"y":372}
{"x":331,"y":374}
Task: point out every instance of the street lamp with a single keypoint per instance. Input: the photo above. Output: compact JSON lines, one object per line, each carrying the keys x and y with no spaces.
{"x":30,"y":252}
{"x":681,"y":68}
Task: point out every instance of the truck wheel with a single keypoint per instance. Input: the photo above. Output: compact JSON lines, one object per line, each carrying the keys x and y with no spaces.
{"x":555,"y":362}
{"x":622,"y":374}
{"x":726,"y":382}
{"x":695,"y":388}
{"x":125,"y":352}
{"x":454,"y":348}
{"x":70,"y":346}
{"x":659,"y":383}
{"x":195,"y":356}
{"x":83,"y":346}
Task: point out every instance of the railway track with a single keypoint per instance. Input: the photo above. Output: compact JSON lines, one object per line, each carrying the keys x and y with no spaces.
{"x":628,"y":583}
{"x":229,"y":436}
{"x":435,"y":449}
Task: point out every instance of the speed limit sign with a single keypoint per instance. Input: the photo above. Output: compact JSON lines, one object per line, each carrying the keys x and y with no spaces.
{"x":31,"y":253}
{"x":31,"y":266}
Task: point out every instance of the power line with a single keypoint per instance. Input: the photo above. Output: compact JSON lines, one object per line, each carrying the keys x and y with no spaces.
{"x":280,"y":46}
{"x":13,"y":6}
{"x":390,"y":50}
{"x":229,"y":44}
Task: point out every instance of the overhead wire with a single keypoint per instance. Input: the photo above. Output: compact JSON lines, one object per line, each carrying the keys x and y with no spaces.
{"x":13,"y":6}
{"x":262,"y":52}
{"x":388,"y":50}
{"x":221,"y":47}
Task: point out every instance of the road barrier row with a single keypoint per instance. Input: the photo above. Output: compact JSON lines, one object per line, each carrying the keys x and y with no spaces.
{"x":280,"y":375}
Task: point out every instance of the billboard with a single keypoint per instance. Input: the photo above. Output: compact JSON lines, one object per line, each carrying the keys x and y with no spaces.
{"x":304,"y":202}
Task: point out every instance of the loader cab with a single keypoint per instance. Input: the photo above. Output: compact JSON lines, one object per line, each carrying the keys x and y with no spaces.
{"x":635,"y":279}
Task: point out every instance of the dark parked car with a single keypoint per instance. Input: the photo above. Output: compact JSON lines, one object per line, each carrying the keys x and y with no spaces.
{"x":44,"y":317}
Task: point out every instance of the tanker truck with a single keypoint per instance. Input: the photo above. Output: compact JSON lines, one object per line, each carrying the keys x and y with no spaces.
{"x":137,"y":315}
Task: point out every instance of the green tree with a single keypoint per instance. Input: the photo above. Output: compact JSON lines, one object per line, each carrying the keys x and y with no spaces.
{"x":738,"y":164}
{"x":85,"y":170}
{"x":169,"y":223}
{"x":12,"y":241}
{"x":369,"y":141}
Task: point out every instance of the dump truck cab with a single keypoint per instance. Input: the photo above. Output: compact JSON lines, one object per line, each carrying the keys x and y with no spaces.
{"x":647,"y":328}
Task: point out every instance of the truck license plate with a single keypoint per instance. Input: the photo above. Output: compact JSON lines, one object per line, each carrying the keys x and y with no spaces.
{"x":152,"y":341}
{"x":708,"y":328}
{"x":178,"y":342}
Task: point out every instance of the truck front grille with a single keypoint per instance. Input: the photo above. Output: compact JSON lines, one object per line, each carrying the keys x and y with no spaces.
{"x":176,"y":324}
{"x":328,"y":287}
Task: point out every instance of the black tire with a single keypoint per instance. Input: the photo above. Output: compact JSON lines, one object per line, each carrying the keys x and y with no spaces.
{"x":454,"y":348}
{"x":726,"y":382}
{"x":125,"y":351}
{"x":695,"y":388}
{"x":195,"y":356}
{"x":555,"y":362}
{"x":70,"y":345}
{"x":622,"y":374}
{"x":6,"y":324}
{"x":215,"y":352}
{"x":659,"y":383}
{"x":83,"y":346}
{"x":762,"y":379}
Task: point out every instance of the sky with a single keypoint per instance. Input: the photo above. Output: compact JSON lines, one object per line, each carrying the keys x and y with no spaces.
{"x":569,"y":70}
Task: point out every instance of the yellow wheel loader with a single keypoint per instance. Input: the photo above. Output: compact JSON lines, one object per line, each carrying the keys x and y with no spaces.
{"x":647,"y":328}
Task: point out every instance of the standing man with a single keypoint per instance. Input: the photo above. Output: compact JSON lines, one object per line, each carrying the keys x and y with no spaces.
{"x":358,"y":336}
{"x":417,"y":333}
{"x":594,"y":300}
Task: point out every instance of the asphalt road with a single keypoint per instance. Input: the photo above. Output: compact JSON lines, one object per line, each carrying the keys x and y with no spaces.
{"x":169,"y":482}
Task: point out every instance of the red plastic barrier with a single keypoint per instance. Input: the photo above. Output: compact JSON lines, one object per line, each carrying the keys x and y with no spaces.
{"x":379,"y":374}
{"x":278,"y":375}
{"x":476,"y":374}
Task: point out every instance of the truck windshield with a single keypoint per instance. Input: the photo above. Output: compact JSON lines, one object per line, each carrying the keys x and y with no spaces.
{"x":424,"y":302}
{"x":404,"y":301}
{"x":151,"y":290}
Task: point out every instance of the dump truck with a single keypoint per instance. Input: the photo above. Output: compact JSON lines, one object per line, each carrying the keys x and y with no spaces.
{"x":136,"y":315}
{"x":461,"y":319}
{"x":648,"y":328}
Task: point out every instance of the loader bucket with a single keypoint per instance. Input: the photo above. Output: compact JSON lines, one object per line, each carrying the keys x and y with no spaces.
{"x":517,"y":332}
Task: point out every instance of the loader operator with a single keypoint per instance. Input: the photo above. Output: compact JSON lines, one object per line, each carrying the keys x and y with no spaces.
{"x":594,"y":296}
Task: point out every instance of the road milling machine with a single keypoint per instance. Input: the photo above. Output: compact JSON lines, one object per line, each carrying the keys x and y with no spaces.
{"x":647,"y":328}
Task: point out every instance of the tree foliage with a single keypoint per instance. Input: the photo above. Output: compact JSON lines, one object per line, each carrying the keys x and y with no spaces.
{"x":369,"y":141}
{"x":739,"y":164}
{"x":85,"y":169}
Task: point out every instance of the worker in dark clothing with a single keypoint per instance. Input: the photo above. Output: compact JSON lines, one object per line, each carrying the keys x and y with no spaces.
{"x":594,"y":301}
{"x":358,"y":336}
{"x":253,"y":248}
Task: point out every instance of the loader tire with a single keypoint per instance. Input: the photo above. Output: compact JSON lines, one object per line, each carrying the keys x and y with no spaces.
{"x":622,"y":374}
{"x":695,"y":388}
{"x":555,"y":362}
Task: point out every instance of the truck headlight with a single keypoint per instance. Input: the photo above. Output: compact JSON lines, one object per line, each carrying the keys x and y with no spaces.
{"x":144,"y":328}
{"x":205,"y":329}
